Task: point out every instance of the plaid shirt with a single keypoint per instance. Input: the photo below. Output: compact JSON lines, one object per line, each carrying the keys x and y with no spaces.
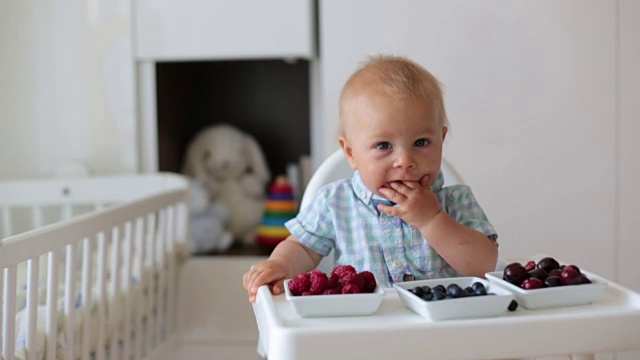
{"x":343,"y":217}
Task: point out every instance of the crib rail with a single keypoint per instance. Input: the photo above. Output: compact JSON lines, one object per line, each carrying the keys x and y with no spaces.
{"x":30,"y":204}
{"x":115,"y":268}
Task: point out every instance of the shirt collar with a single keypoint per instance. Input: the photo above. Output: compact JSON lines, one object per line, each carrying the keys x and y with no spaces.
{"x":364,"y":194}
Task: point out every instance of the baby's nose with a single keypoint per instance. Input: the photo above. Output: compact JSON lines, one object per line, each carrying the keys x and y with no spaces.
{"x":405,"y":160}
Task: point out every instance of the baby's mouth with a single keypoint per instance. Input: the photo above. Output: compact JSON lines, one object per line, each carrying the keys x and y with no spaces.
{"x":388,"y":184}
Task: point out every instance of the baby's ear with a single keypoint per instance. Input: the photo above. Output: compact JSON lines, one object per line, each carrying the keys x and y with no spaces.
{"x":348,"y":152}
{"x":444,"y":132}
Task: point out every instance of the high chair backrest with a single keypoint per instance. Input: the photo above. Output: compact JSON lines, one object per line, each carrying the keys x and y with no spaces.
{"x":336,"y":167}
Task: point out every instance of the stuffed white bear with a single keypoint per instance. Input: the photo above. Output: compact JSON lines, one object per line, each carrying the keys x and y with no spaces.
{"x":207,"y":221}
{"x":236,"y":174}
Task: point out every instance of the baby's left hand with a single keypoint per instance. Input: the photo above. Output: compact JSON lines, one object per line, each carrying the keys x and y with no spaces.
{"x":417,"y":205}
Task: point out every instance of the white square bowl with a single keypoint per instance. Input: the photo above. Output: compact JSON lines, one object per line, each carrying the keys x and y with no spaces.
{"x":466,"y":307}
{"x":335,"y":305}
{"x":552,"y":297}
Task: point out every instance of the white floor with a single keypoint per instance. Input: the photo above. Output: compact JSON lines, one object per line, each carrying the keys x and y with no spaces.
{"x":215,"y":317}
{"x":220,"y":352}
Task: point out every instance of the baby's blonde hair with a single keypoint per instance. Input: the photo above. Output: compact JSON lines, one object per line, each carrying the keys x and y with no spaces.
{"x":399,"y":77}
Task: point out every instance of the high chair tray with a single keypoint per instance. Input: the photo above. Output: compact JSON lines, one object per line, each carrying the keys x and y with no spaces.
{"x":609,"y":324}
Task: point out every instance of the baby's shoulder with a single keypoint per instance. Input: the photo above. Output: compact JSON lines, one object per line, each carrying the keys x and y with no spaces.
{"x":456,"y":189}
{"x":456,"y":195}
{"x":337,"y":188}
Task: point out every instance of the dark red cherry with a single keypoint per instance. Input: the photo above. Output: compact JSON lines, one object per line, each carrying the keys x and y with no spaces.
{"x":515,"y":273}
{"x":532,"y":283}
{"x":548,"y":264}
{"x":584,"y":279}
{"x":555,"y":272}
{"x":573,"y":267}
{"x":552,"y":281}
{"x":569,"y":276}
{"x":538,"y":273}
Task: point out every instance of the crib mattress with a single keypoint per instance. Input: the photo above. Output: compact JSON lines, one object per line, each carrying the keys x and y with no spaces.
{"x":609,"y":324}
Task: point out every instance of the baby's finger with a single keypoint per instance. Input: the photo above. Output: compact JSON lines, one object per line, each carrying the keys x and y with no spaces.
{"x":391,"y":194}
{"x":278,"y":288}
{"x":403,"y":188}
{"x":245,"y":280}
{"x":409,"y":184}
{"x":389,"y":210}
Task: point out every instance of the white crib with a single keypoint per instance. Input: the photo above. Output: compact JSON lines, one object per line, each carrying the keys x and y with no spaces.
{"x":89,"y":266}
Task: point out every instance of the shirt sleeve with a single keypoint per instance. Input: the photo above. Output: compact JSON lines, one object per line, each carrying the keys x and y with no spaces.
{"x":462,"y":206}
{"x":313,"y":226}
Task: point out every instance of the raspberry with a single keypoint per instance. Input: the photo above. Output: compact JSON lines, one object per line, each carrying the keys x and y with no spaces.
{"x":319,"y":282}
{"x":316,"y":272}
{"x":332,"y":292}
{"x":351,"y":289}
{"x":344,"y":279}
{"x":300,"y":284}
{"x":351,"y":278}
{"x":369,"y":281}
{"x":333,"y":282}
{"x":339,"y":270}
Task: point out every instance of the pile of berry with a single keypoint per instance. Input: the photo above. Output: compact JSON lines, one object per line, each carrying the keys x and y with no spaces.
{"x":452,"y":291}
{"x":545,"y":273}
{"x":344,"y":279}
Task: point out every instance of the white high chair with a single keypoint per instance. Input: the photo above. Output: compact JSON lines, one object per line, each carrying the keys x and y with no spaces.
{"x":336,"y":167}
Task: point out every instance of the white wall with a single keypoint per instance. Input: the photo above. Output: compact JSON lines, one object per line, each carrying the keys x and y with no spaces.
{"x":542,"y":98}
{"x":533,"y":95}
{"x":66,"y":87}
{"x":628,"y":149}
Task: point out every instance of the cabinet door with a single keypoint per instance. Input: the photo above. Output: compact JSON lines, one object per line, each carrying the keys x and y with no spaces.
{"x":215,"y":29}
{"x":530,"y":91}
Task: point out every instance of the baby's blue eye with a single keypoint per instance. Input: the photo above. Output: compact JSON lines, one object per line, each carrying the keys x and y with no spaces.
{"x":422,"y":142}
{"x":383,"y":146}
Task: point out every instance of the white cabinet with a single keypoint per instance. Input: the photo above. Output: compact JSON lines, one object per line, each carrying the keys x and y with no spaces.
{"x":213,"y":31}
{"x":204,"y":29}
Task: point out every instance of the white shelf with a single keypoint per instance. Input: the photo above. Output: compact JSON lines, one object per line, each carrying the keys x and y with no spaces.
{"x":203,"y":29}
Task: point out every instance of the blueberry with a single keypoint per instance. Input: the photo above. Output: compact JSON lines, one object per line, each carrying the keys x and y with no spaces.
{"x":438,"y":295}
{"x":427,"y":297}
{"x":455,"y":291}
{"x":427,"y":289}
{"x":513,"y":305}
{"x":469,"y":290}
{"x":417,"y":291}
{"x":440,"y":288}
{"x":477,"y":285}
{"x":481,"y":291}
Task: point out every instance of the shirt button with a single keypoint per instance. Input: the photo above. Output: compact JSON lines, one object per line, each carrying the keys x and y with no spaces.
{"x":397,"y":263}
{"x":362,"y":194}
